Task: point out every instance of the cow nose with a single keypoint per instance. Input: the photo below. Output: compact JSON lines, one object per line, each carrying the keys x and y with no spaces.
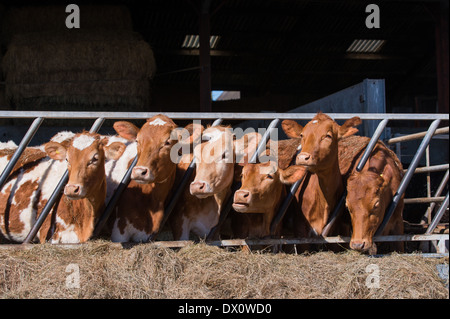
{"x":242,"y":196}
{"x":142,"y":174}
{"x":197,"y":187}
{"x":140,"y":171}
{"x":357,"y":245}
{"x":72,"y":190}
{"x":303,"y":158}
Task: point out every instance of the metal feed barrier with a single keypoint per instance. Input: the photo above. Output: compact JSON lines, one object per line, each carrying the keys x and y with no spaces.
{"x":383,"y":119}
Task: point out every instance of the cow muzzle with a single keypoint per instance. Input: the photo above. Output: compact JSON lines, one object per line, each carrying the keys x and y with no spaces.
{"x":242,"y":200}
{"x":142,"y":174}
{"x":305,"y":159}
{"x":200,"y":189}
{"x":74,"y":191}
{"x":364,"y":246}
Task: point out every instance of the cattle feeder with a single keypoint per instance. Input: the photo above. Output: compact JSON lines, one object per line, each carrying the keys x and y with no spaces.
{"x":99,"y":117}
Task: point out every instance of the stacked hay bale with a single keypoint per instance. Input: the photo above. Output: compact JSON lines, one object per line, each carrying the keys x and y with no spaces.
{"x":103,"y":66}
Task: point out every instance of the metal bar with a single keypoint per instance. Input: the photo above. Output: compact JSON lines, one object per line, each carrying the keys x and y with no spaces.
{"x":440,"y":189}
{"x":173,"y":201}
{"x":369,"y":148}
{"x":114,"y":199}
{"x":56,"y":193}
{"x":23,"y":144}
{"x":416,"y":136}
{"x":429,"y":169}
{"x":228,"y":205}
{"x":265,"y":242}
{"x":215,"y":115}
{"x":438,"y":216}
{"x":287,"y":201}
{"x":407,"y":177}
{"x":423,"y":200}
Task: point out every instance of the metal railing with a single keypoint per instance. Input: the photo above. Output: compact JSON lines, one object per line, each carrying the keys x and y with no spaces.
{"x":100,"y":117}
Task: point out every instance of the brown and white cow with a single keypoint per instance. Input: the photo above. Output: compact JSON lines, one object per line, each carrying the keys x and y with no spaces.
{"x":34,"y":178}
{"x":198,"y":211}
{"x":140,"y":209}
{"x":369,"y":193}
{"x":322,"y":188}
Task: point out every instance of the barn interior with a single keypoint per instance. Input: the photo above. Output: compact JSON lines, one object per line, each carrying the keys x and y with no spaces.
{"x":223,"y":56}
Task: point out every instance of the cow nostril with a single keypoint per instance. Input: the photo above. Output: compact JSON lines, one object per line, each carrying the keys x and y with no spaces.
{"x":76,"y":190}
{"x":358,"y":246}
{"x":246,"y":195}
{"x":144,"y":172}
{"x":202,"y":185}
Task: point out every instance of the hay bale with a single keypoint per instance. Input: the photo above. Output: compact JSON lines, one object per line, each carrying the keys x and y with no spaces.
{"x":52,"y":18}
{"x":79,"y":70}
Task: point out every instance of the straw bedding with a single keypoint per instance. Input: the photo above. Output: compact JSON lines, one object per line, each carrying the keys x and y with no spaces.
{"x":201,"y":271}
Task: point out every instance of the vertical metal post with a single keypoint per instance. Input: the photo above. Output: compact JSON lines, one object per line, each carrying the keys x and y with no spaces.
{"x":228,"y":205}
{"x":369,"y":148}
{"x":438,"y":216}
{"x":173,"y":201}
{"x":114,"y":199}
{"x":23,"y":144}
{"x":438,"y":193}
{"x":407,"y":177}
{"x":287,"y":201}
{"x":56,"y":193}
{"x":427,"y":164}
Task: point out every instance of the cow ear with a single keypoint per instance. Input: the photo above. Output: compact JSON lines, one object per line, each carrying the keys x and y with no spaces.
{"x":348,"y":128}
{"x":292,"y":174}
{"x":55,"y":151}
{"x":127,"y":130}
{"x":246,"y":146}
{"x":291,"y":128}
{"x":114,"y":150}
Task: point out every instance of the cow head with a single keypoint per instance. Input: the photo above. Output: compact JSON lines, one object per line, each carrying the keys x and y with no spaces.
{"x":85,"y":155}
{"x":215,"y":159}
{"x":367,"y":205}
{"x":261,"y":188}
{"x":319,"y":139}
{"x":155,"y":140}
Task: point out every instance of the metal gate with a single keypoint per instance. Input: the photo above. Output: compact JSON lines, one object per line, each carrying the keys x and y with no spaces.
{"x":382,"y":118}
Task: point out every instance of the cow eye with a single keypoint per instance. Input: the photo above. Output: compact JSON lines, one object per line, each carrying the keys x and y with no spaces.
{"x":167,"y":143}
{"x":269,"y":176}
{"x":301,"y":135}
{"x":376,"y":204}
{"x":93,"y":160}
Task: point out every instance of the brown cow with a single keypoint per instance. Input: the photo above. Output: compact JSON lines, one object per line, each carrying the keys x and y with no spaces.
{"x":322,"y":188}
{"x":140,"y":209}
{"x":369,"y":193}
{"x":259,"y":197}
{"x":34,"y":178}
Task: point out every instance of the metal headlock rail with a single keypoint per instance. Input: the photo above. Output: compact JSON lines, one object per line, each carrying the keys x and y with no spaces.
{"x":384,"y":118}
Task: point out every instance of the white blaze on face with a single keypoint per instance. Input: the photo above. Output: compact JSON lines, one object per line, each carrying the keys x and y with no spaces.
{"x":82,"y":142}
{"x":157,"y":122}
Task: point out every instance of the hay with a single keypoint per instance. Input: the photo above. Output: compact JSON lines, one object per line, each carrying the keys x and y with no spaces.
{"x":78,"y":69}
{"x":201,"y":271}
